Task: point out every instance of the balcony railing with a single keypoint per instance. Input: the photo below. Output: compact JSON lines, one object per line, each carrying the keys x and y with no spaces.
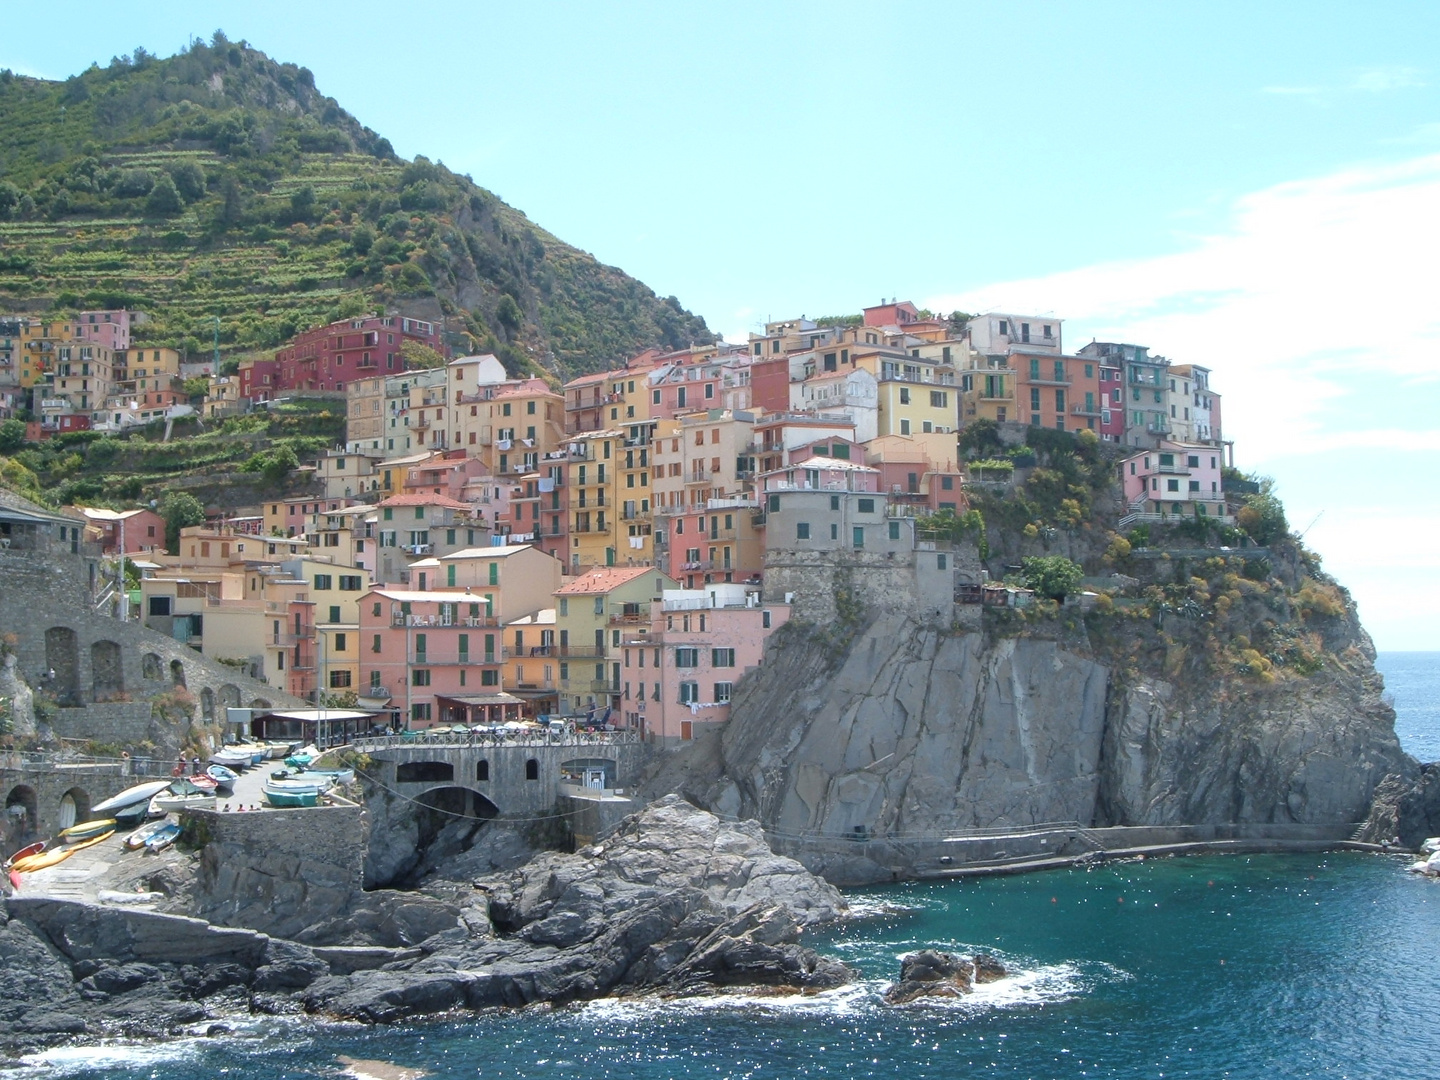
{"x":418,"y":549}
{"x":434,"y":622}
{"x":447,"y":657}
{"x":1082,"y":409}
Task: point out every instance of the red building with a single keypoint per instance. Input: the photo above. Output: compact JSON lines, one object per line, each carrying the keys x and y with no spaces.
{"x":330,"y":357}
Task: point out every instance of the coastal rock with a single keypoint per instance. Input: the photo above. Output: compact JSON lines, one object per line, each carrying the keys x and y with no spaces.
{"x":1406,"y":808}
{"x":916,"y":731}
{"x":930,"y":973}
{"x":32,"y":971}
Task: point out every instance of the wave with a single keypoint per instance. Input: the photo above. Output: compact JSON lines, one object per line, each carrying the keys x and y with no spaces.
{"x":85,"y":1060}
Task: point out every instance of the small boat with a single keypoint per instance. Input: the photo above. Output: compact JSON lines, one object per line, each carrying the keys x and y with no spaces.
{"x":296,"y":795}
{"x":169,"y":802}
{"x":298,"y":761}
{"x":25,"y":853}
{"x":231,"y":758}
{"x":85,"y":830}
{"x":281,"y":750}
{"x":182,"y":795}
{"x":207,"y":784}
{"x":131,"y":796}
{"x":136,"y":840}
{"x":333,"y":776}
{"x":163,"y":837}
{"x":258,"y":751}
{"x":222,"y":776}
{"x":56,"y":856}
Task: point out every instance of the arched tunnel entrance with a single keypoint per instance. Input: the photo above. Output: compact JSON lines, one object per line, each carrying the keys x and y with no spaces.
{"x":19,"y":822}
{"x":439,"y":824}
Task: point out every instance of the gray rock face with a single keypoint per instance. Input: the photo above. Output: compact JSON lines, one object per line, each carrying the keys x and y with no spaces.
{"x":914,"y":732}
{"x":676,"y":901}
{"x":1406,"y":808}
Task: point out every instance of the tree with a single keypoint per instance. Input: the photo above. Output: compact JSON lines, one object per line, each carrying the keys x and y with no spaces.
{"x":509,"y":314}
{"x":180,"y":510}
{"x":189,"y":180}
{"x":420,"y":357}
{"x":981,"y":436}
{"x":302,"y":203}
{"x":1052,"y":576}
{"x":12,"y":435}
{"x":163,"y":199}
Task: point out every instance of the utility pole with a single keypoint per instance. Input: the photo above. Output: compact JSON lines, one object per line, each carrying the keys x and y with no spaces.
{"x":120,"y":574}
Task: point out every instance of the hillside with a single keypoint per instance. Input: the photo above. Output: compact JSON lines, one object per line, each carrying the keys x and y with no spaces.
{"x":220,"y":182}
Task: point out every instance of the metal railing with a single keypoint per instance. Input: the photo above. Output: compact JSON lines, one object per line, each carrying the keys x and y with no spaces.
{"x":526,"y":737}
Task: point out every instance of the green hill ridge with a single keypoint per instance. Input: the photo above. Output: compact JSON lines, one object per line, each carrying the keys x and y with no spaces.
{"x":222,"y":183}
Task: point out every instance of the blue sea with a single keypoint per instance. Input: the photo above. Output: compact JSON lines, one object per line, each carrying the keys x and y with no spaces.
{"x":1243,"y":967}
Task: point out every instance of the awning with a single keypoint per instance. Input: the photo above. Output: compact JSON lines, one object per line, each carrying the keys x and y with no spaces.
{"x":500,"y":698}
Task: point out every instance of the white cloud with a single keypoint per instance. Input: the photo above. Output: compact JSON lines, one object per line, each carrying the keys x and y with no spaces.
{"x":1379,"y":80}
{"x":1316,"y":309}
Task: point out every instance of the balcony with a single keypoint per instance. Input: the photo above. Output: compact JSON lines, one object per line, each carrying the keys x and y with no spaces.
{"x":291,"y":637}
{"x":435,"y":622}
{"x":1040,"y":380}
{"x":448,"y":658}
{"x":375,"y":690}
{"x":622,"y":617}
{"x":1161,"y":427}
{"x":1179,"y":470}
{"x":418,"y":549}
{"x":1085,"y":410}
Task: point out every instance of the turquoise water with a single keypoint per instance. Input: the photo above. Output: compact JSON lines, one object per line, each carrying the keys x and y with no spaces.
{"x":1413,"y":680}
{"x":1273,"y":966}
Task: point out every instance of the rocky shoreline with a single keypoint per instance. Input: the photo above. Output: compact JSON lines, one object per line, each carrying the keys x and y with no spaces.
{"x":675,"y":902}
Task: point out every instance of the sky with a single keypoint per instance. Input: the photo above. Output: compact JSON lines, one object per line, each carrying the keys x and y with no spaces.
{"x":1255,"y":188}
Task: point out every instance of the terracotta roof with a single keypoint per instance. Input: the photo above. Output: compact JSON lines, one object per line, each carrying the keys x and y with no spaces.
{"x":603,"y":579}
{"x":427,"y":500}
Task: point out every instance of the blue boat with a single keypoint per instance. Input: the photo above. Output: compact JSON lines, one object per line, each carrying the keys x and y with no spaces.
{"x":162,"y":837}
{"x":222,"y":776}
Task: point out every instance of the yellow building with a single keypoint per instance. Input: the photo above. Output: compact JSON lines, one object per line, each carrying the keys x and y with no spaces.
{"x":532,"y":660}
{"x":593,"y":615}
{"x":608,"y":481}
{"x":38,"y":342}
{"x":917,"y":394}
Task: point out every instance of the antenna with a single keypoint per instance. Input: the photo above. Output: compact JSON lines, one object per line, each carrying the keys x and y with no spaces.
{"x":1313,"y":520}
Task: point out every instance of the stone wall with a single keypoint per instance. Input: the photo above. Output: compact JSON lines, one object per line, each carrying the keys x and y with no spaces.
{"x":40,"y":789}
{"x":117,"y":723}
{"x":291,"y":873}
{"x":97,"y":659}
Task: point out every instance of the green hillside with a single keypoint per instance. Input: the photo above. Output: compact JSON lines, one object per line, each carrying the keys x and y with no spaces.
{"x":219,"y":182}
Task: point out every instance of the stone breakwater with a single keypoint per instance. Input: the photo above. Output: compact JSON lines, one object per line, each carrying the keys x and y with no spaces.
{"x":676,"y":901}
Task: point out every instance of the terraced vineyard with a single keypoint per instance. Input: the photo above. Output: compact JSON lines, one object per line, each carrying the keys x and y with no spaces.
{"x":220,"y":185}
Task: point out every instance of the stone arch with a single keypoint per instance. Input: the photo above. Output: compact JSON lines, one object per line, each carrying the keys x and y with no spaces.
{"x":482,"y":770}
{"x":62,"y":657}
{"x":230,"y":696}
{"x":74,"y":807}
{"x":207,"y":703}
{"x":424,"y":772}
{"x":177,"y":672}
{"x":459,"y":802}
{"x":151,"y":668}
{"x":22,"y":815}
{"x":532,"y":769}
{"x":259,"y":703}
{"x":107,"y":671}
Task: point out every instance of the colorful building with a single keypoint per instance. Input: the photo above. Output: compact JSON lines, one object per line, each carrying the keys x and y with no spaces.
{"x":593,"y":614}
{"x":1174,"y":480}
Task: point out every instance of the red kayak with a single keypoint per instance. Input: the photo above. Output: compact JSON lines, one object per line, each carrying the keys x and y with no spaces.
{"x":25,"y":853}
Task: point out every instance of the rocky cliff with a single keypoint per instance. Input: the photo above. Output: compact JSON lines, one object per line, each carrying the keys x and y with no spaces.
{"x":1155,"y":714}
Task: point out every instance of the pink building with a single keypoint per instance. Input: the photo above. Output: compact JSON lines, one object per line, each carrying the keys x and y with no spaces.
{"x":109,"y":329}
{"x":435,"y":655}
{"x":129,"y":531}
{"x":682,"y":672}
{"x":329,"y":357}
{"x":1175,"y":479}
{"x":822,"y":474}
{"x":1112,"y":400}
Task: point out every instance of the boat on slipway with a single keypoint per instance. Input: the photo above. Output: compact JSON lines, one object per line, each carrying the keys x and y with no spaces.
{"x":136,"y":840}
{"x":55,"y":856}
{"x":130,"y":803}
{"x":87,"y":829}
{"x":181,"y":795}
{"x":284,"y":795}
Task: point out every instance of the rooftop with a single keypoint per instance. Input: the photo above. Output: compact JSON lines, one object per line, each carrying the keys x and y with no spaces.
{"x":603,"y":579}
{"x":427,"y":500}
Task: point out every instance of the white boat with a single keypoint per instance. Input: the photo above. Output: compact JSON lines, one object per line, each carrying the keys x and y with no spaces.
{"x":231,"y":758}
{"x":136,"y":839}
{"x":305,"y":781}
{"x":129,"y":797}
{"x":166,"y":802}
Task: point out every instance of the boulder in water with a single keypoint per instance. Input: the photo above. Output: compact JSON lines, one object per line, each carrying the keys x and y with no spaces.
{"x":930,"y":973}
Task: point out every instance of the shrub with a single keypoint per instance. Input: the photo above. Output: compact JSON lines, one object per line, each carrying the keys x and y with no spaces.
{"x":1051,"y":576}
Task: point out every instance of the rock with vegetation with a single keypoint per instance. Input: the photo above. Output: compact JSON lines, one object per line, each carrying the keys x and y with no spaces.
{"x":220,"y":181}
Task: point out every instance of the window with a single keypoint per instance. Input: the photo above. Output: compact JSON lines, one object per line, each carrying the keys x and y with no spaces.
{"x":939,"y":399}
{"x":947,"y":483}
{"x":340,"y":643}
{"x":1194,"y":485}
{"x":1172,"y":485}
{"x":802,"y":530}
{"x":689,"y":692}
{"x":687,"y":658}
{"x":722,"y":657}
{"x":159,"y":605}
{"x":894,"y":530}
{"x":599,"y":605}
{"x":904,"y":395}
{"x":420,"y":677}
{"x":1035,"y":399}
{"x":857,"y":536}
{"x":482,"y":770}
{"x":722,"y":692}
{"x":322,"y":582}
{"x":420,"y":711}
{"x":349,"y":583}
{"x":867,"y":506}
{"x":1193,"y":460}
{"x":339,"y":680}
{"x":904,"y":427}
{"x":489,"y":677}
{"x":765,"y":620}
{"x":834,"y":531}
{"x":940,"y":562}
{"x":835,"y":502}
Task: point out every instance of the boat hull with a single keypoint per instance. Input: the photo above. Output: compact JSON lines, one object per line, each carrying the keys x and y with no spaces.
{"x":291,"y":797}
{"x":137,"y":795}
{"x":165,"y":804}
{"x":136,"y":840}
{"x":86,"y":829}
